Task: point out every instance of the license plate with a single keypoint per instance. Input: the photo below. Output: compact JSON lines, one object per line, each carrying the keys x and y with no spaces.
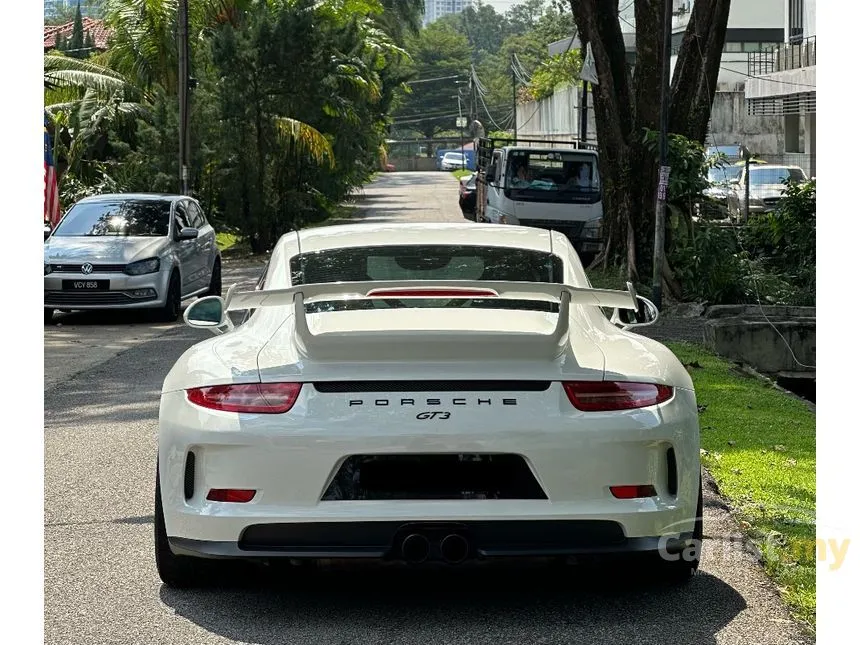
{"x":86,"y":285}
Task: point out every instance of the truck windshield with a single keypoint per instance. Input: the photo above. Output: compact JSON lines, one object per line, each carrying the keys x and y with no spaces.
{"x":552,"y":175}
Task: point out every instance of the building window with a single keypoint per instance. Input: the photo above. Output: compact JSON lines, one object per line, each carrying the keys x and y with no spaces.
{"x":752,"y":47}
{"x":795,"y":21}
{"x":732,"y":47}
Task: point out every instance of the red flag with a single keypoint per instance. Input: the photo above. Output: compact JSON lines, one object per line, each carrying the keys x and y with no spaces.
{"x":52,"y":191}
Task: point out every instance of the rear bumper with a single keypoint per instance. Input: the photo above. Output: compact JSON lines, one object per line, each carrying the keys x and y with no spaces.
{"x":291,"y":460}
{"x":382,"y":540}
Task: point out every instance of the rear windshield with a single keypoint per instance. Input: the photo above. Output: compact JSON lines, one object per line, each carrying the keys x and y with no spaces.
{"x":427,"y":263}
{"x":126,"y":218}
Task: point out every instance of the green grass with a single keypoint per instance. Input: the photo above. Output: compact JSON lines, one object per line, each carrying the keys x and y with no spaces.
{"x":759,"y":445}
{"x":226,"y":240}
{"x":463,"y":172}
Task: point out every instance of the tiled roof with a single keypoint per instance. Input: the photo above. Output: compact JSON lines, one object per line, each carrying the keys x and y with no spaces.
{"x":95,"y":27}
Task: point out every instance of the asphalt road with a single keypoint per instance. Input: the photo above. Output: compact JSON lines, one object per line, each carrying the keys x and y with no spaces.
{"x":100,"y":580}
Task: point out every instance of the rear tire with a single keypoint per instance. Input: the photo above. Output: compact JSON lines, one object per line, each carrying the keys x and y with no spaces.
{"x":178,"y":571}
{"x":680,"y":571}
{"x":170,"y":311}
{"x":49,"y":316}
{"x":215,"y":281}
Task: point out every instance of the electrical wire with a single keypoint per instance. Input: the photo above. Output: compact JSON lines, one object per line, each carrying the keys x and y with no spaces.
{"x":428,"y":80}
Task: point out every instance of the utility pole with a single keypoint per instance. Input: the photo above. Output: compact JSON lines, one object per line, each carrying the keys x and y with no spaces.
{"x":514,"y":86}
{"x":182,"y":86}
{"x":746,"y":153}
{"x":461,"y":121}
{"x":663,"y":185}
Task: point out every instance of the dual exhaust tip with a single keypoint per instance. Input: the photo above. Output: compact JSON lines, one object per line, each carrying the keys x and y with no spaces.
{"x":453,"y":548}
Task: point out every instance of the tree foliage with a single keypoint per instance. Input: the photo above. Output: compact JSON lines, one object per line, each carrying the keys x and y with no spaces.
{"x":287,"y":116}
{"x":481,"y":37}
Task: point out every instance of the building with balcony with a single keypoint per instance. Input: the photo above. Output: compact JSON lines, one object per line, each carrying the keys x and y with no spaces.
{"x":753,"y":27}
{"x":783,"y":82}
{"x":435,"y":9}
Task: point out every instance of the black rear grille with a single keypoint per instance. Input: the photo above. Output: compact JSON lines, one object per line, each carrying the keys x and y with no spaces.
{"x":189,"y":475}
{"x":381,"y":538}
{"x":427,"y":476}
{"x":332,"y":387}
{"x":91,"y":298}
{"x":97,"y":268}
{"x":672,"y":472}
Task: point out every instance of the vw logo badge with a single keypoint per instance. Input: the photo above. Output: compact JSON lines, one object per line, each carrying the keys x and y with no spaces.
{"x":87,"y":268}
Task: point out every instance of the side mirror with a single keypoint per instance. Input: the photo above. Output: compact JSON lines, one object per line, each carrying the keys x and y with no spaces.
{"x":491,"y":174}
{"x":209,"y":313}
{"x":188,"y":233}
{"x":47,"y":231}
{"x":646,"y":314}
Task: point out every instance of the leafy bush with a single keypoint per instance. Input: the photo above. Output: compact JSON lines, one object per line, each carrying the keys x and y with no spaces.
{"x":709,"y":265}
{"x":561,"y":68}
{"x":782,"y":242}
{"x":771,"y":260}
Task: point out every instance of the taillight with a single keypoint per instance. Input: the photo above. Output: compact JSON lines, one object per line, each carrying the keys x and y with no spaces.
{"x":260,"y":398}
{"x":603,"y":396}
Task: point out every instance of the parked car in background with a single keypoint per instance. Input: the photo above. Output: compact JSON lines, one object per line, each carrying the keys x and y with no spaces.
{"x":468,"y":196}
{"x":131,"y":251}
{"x":766,"y":185}
{"x":720,"y":180}
{"x":454,"y":161}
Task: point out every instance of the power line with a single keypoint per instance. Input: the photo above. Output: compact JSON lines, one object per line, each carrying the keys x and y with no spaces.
{"x":428,"y":80}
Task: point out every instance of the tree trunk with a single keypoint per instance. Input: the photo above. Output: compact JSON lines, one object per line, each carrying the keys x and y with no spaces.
{"x":697,"y":69}
{"x":625,"y":105}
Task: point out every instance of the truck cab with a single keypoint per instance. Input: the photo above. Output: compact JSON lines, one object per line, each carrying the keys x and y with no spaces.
{"x":543,"y":184}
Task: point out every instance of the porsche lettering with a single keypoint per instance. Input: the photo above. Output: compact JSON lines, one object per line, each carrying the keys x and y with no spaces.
{"x":412,"y":401}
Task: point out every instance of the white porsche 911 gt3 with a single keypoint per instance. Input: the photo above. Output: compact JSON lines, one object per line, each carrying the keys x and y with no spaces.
{"x":423,"y":392}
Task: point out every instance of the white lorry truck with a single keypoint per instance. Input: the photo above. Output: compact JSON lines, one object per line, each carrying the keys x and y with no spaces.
{"x":545,"y":184}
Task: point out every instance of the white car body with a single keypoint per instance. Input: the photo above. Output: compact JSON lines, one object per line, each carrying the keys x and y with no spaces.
{"x":430,"y":382}
{"x":453,"y":161}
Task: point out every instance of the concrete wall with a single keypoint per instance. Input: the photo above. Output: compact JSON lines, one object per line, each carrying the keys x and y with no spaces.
{"x":555,"y":117}
{"x":730,"y":124}
{"x":413,"y":163}
{"x":744,"y":334}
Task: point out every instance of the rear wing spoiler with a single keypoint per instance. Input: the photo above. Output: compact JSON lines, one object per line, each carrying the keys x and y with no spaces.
{"x":355,"y":344}
{"x":432,"y":289}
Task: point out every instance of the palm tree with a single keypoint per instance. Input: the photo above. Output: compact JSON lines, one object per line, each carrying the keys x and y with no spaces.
{"x":143,"y":45}
{"x":83,"y":99}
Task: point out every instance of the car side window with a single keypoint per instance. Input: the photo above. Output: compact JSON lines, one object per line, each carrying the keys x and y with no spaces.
{"x":195,"y":215}
{"x":181,"y":217}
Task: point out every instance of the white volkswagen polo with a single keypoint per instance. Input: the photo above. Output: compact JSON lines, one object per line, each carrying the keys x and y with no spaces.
{"x":422,"y":392}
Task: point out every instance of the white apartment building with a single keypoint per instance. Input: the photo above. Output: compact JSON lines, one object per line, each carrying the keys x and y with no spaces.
{"x":435,"y":9}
